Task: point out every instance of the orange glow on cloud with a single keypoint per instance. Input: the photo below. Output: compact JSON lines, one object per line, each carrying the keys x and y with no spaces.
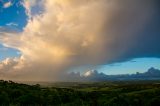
{"x":70,"y":33}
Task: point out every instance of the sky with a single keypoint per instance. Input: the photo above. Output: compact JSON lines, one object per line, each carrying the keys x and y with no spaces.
{"x":14,"y":18}
{"x":45,"y":39}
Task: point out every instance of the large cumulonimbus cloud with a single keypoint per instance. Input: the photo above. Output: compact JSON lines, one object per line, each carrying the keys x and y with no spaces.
{"x":70,"y":33}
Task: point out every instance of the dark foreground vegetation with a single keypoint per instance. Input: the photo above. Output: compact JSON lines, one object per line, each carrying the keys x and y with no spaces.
{"x":81,"y":94}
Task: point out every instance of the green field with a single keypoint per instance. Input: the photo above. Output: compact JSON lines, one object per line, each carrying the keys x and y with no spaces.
{"x":128,"y":93}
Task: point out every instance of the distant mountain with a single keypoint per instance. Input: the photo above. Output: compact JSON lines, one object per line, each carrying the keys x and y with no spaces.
{"x":94,"y":75}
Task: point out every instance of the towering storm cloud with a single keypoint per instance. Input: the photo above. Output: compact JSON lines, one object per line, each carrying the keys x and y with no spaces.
{"x":69,"y":33}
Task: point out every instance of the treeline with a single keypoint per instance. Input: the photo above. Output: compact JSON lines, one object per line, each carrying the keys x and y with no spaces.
{"x":14,"y":94}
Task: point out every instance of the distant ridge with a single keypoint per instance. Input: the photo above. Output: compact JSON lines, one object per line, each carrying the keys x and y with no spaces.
{"x":93,"y":75}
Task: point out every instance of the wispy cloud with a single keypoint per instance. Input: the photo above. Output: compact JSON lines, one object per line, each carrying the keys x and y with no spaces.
{"x":12,"y":24}
{"x":7,"y":4}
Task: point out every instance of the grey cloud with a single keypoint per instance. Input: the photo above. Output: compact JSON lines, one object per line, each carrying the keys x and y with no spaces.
{"x":134,"y":30}
{"x":71,"y":33}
